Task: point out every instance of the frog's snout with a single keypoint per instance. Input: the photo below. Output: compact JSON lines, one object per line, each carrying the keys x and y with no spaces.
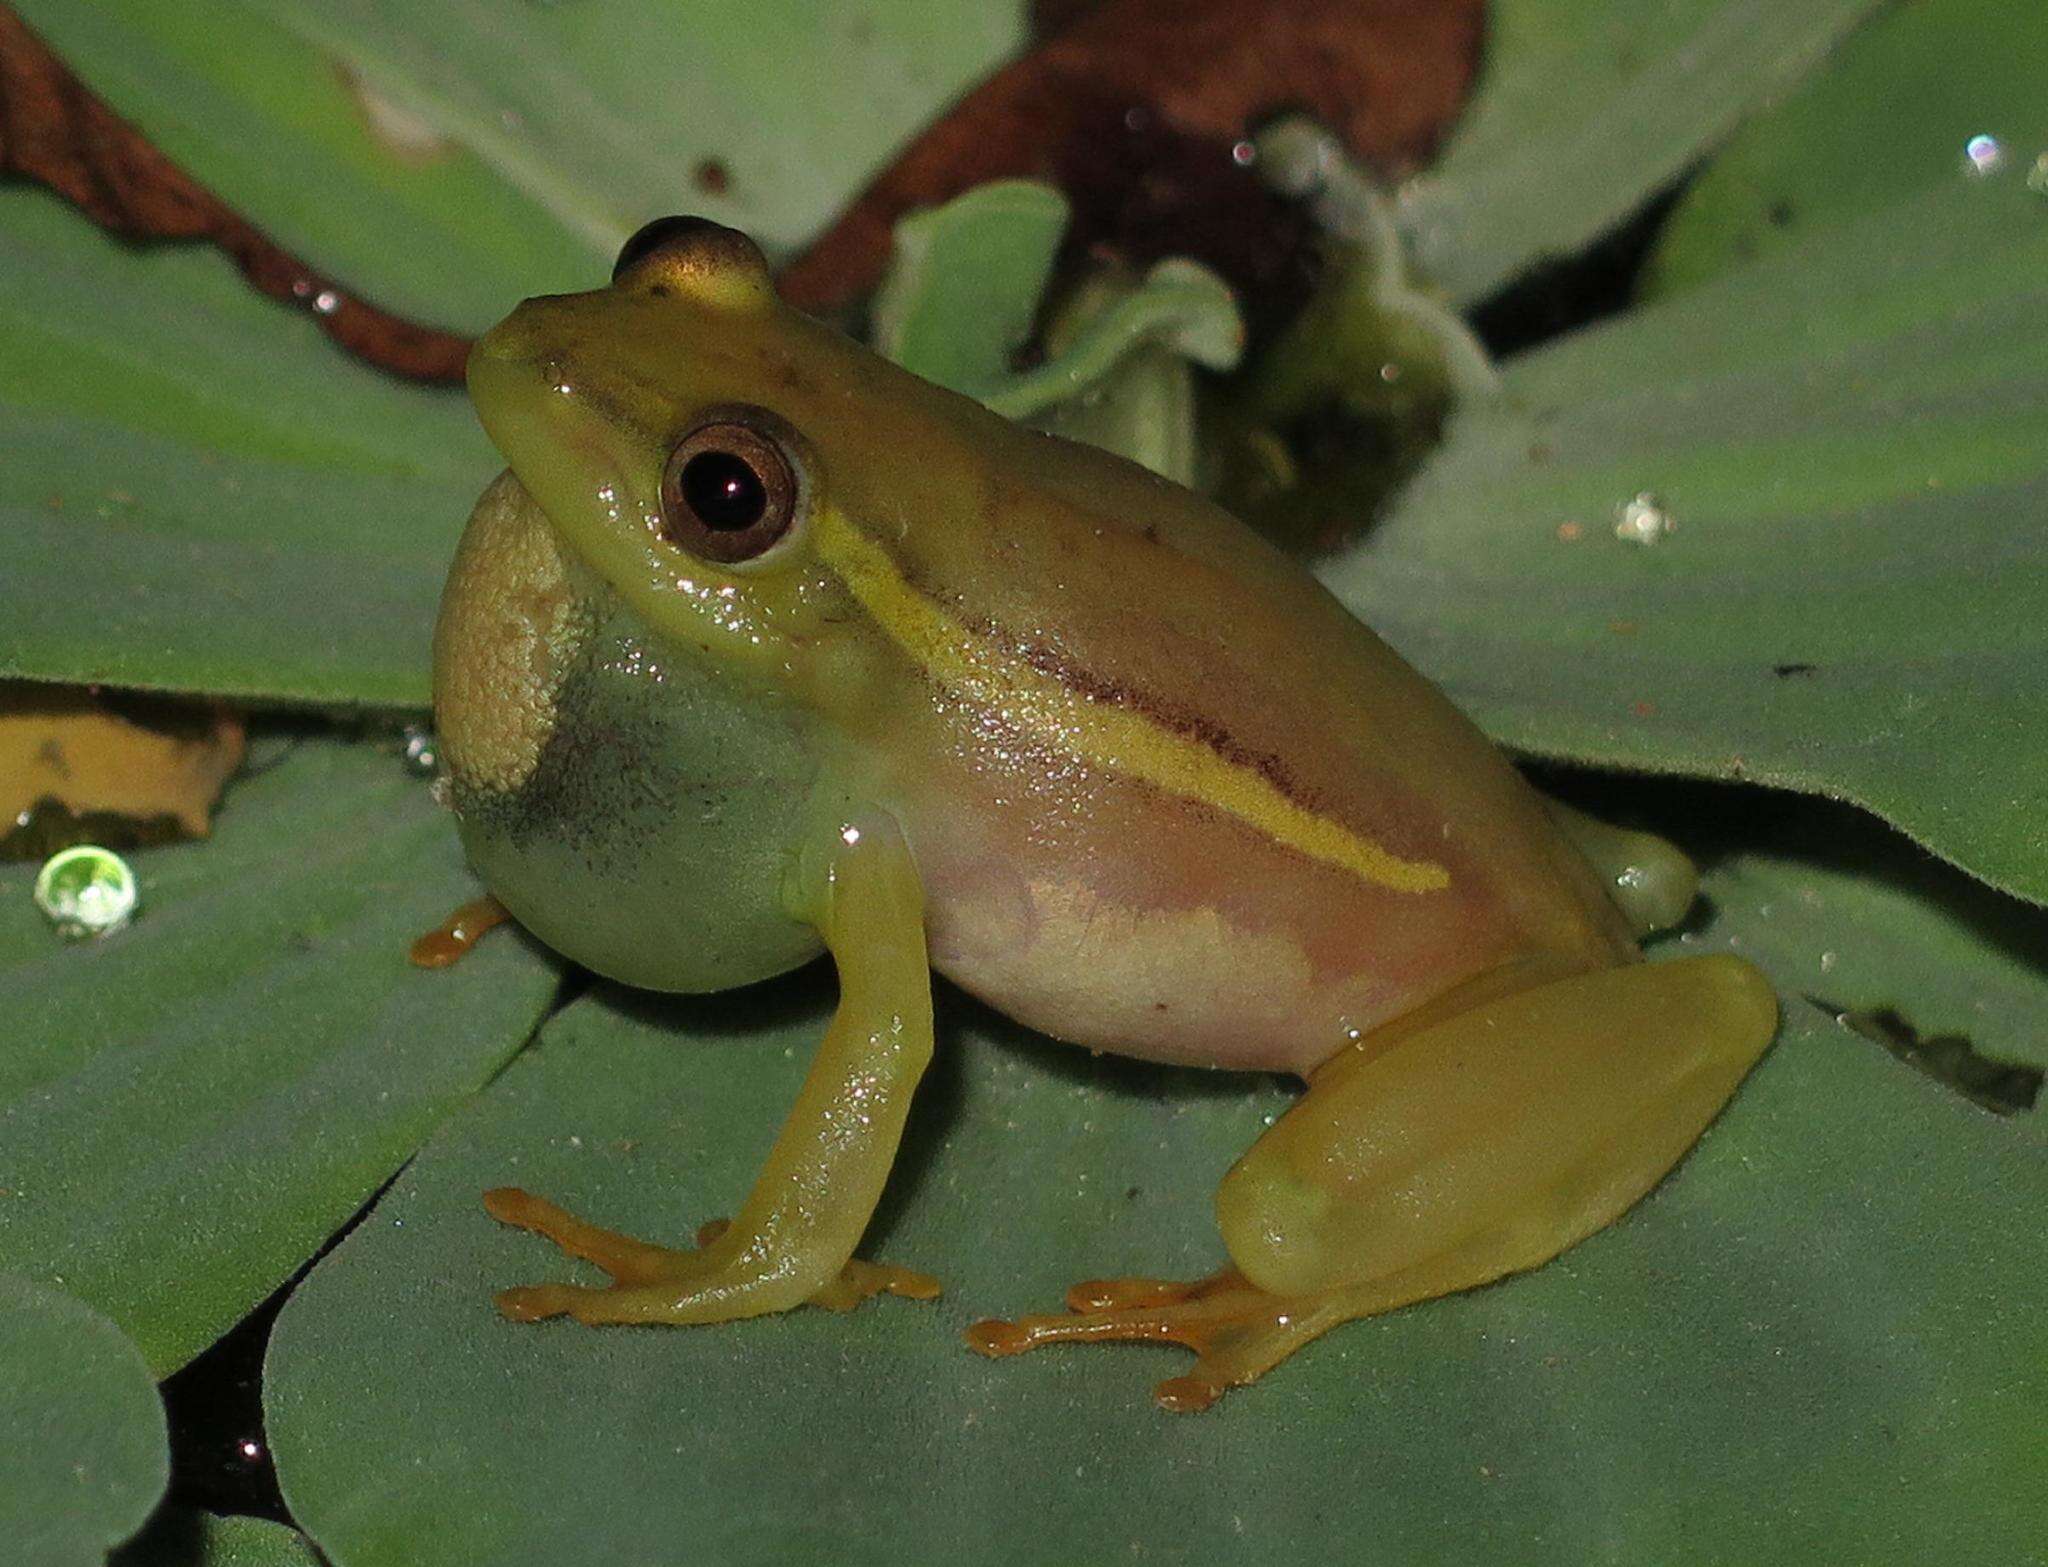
{"x":505,"y":365}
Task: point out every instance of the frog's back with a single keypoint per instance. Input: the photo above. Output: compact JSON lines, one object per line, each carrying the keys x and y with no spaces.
{"x":1191,"y":808}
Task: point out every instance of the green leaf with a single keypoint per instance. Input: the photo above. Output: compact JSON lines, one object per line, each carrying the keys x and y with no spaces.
{"x":964,"y":282}
{"x":320,"y":156}
{"x":1852,"y":439}
{"x":1815,"y":1341}
{"x":1587,"y":107}
{"x":965,"y":286}
{"x":453,"y":159}
{"x":182,"y":1537}
{"x":195,"y":1103}
{"x":606,"y":115}
{"x":1179,"y":306}
{"x":1369,"y":313}
{"x":84,"y":1452}
{"x":1889,"y":118}
{"x":1836,"y":912}
{"x":201,"y":493}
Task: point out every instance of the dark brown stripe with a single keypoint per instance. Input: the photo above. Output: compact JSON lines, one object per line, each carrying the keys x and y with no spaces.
{"x":1189,"y":725}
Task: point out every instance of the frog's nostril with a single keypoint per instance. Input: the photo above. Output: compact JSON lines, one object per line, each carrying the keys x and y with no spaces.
{"x":512,"y":340}
{"x":505,"y":363}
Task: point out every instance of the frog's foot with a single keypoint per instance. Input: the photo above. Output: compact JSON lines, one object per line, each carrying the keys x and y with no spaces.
{"x":644,"y":1276}
{"x":1237,"y":1331}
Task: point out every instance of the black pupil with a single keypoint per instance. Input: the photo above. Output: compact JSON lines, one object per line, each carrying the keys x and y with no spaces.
{"x":723,"y":491}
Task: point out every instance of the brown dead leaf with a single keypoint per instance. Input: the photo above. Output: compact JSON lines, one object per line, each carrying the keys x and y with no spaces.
{"x":56,"y":132}
{"x":70,"y":756}
{"x":1135,"y":108}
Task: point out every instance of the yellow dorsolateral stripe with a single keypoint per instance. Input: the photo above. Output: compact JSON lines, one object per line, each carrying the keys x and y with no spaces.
{"x":1101,"y":733}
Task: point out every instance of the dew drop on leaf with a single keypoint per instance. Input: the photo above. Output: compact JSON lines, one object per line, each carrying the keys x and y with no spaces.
{"x":86,"y":891}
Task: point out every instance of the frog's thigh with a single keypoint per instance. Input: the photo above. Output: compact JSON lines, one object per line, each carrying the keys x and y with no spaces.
{"x":1493,"y":1140}
{"x":1479,"y":1145}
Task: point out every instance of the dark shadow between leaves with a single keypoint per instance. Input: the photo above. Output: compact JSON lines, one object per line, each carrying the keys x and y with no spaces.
{"x":2001,"y":1087}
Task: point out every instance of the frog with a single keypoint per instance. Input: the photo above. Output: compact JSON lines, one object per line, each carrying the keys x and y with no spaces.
{"x":762,"y":648}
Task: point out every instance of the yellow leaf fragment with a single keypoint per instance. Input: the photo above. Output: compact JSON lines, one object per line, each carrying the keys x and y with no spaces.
{"x":142,"y":759}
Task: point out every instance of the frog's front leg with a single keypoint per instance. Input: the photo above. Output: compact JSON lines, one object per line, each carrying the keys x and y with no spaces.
{"x":1481,"y":1145}
{"x":792,"y":1240}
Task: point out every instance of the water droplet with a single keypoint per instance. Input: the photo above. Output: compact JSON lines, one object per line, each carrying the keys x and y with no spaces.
{"x":1243,"y":154}
{"x":2037,"y":176}
{"x":421,"y":755}
{"x":86,"y":891}
{"x":1643,"y":520}
{"x":326,"y":302}
{"x":1982,"y":154}
{"x":1827,"y":962}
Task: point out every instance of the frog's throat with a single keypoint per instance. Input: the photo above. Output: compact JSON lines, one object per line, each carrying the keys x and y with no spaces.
{"x":980,"y":670}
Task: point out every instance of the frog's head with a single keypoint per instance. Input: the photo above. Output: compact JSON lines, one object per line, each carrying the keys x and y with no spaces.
{"x":684,"y":432}
{"x":641,"y":627}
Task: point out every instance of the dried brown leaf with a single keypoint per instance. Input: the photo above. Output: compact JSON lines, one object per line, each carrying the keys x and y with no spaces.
{"x":70,"y":756}
{"x":1135,"y":109}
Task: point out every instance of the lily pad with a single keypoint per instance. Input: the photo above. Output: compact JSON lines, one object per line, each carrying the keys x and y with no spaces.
{"x":608,"y":115}
{"x":1931,"y":92}
{"x":1815,"y":1341}
{"x":1584,"y":110}
{"x":204,"y":494}
{"x":84,"y":1452}
{"x":317,"y":154}
{"x":200,"y":492}
{"x":195,"y":1103}
{"x":1860,"y":928}
{"x":1848,"y":443}
{"x":517,"y":138}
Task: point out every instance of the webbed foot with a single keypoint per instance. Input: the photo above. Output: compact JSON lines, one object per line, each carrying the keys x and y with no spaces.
{"x":1236,"y":1330}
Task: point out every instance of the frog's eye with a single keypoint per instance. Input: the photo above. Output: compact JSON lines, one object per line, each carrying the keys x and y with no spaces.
{"x":729,"y":492}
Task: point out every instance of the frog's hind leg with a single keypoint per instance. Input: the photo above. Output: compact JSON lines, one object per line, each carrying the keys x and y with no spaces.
{"x":1481,"y":1145}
